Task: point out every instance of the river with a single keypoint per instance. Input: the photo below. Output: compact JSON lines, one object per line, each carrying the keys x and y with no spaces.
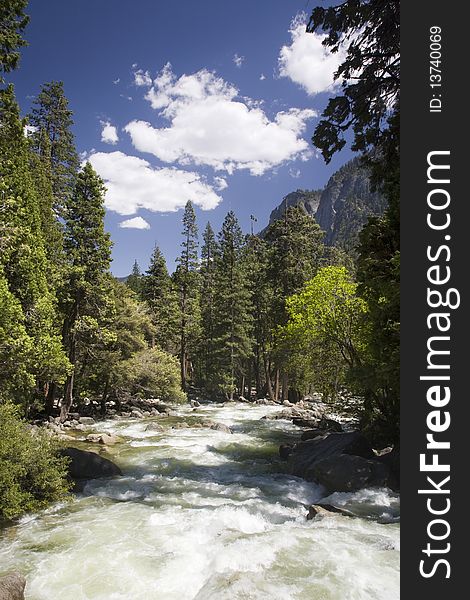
{"x":201,"y":514}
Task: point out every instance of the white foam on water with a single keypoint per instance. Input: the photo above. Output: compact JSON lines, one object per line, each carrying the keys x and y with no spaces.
{"x":203,"y":515}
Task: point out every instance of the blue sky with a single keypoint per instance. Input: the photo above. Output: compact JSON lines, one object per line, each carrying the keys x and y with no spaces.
{"x":212,"y":101}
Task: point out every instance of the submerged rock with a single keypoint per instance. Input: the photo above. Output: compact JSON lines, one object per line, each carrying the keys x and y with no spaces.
{"x":12,"y":587}
{"x":107,"y":439}
{"x":325,"y":510}
{"x":221,"y":427}
{"x":89,"y":465}
{"x":285,"y":450}
{"x":154,"y":427}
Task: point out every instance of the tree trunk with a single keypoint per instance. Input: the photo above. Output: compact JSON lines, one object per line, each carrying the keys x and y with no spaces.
{"x":276,"y":387}
{"x":285,"y":387}
{"x":268,"y":379}
{"x":50,"y":397}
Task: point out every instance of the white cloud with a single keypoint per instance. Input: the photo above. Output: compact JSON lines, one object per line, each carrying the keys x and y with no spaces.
{"x":135,"y":223}
{"x":238,"y":60}
{"x":294,"y":173}
{"x":307,"y":62}
{"x":132,"y":183}
{"x":116,"y":81}
{"x":262,"y":77}
{"x":142,"y":78}
{"x":109,"y":134}
{"x":209,"y":124}
{"x":220,"y":183}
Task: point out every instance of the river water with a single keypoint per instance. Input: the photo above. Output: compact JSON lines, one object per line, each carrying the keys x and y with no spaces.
{"x":201,"y":514}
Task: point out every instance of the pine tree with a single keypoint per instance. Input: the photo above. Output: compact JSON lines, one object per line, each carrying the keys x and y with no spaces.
{"x":88,"y":250}
{"x":232,"y":310}
{"x":23,"y":262}
{"x":208,"y":273}
{"x":13,"y":22}
{"x":296,"y":253}
{"x":134,"y":281}
{"x":161,"y":297}
{"x":187,"y":282}
{"x":52,"y":119}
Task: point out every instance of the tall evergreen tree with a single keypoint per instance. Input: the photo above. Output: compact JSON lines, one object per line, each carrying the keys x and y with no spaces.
{"x":296,"y":252}
{"x":208,"y":278}
{"x":187,"y":281}
{"x":232,"y":310}
{"x":134,"y":281}
{"x":88,"y":250}
{"x":52,"y":119}
{"x":162,"y":299}
{"x":13,"y":22}
{"x":23,"y":261}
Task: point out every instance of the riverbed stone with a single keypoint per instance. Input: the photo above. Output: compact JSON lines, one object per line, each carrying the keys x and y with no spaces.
{"x":12,"y":587}
{"x":311,"y":434}
{"x":348,"y":473}
{"x":221,"y":427}
{"x":107,"y":439}
{"x":326,"y":510}
{"x":89,"y":465}
{"x":86,"y":420}
{"x":307,"y":453}
{"x":154,"y":427}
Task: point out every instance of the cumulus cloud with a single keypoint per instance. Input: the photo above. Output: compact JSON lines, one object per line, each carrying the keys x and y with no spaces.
{"x":307,"y":62}
{"x":209,"y":124}
{"x":238,"y":60}
{"x":262,"y":77}
{"x":117,"y":80}
{"x":135,"y":223}
{"x":142,"y":78}
{"x":132,"y":183}
{"x":109,"y":134}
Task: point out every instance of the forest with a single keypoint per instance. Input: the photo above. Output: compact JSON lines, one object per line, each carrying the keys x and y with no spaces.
{"x":278,"y":315}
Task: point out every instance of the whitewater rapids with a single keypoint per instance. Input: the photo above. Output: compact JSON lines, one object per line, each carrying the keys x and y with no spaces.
{"x":201,"y":514}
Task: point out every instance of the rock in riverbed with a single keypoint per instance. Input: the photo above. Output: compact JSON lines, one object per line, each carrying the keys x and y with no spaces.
{"x":326,"y":510}
{"x":107,"y":439}
{"x":89,"y":465}
{"x":342,"y":462}
{"x":12,"y":587}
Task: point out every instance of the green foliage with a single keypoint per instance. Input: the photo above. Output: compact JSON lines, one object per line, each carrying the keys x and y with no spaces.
{"x":135,"y":280}
{"x":232,"y":320}
{"x":161,"y":296}
{"x":31,"y":474}
{"x":186,"y":279}
{"x":325,"y":327}
{"x":23,"y":260}
{"x":370,"y":106}
{"x":53,"y":140}
{"x":88,"y":249}
{"x":370,"y":29}
{"x":13,"y":22}
{"x":150,"y":373}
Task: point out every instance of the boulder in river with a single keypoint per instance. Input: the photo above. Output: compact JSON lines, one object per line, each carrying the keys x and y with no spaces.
{"x":154,"y":427}
{"x":305,"y":422}
{"x":89,"y":465}
{"x":339,"y":461}
{"x":285,"y":450}
{"x":107,"y":439}
{"x":86,"y":420}
{"x":311,"y":434}
{"x":348,"y":473}
{"x":221,"y":427}
{"x":325,"y":510}
{"x":12,"y":587}
{"x":330,"y":425}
